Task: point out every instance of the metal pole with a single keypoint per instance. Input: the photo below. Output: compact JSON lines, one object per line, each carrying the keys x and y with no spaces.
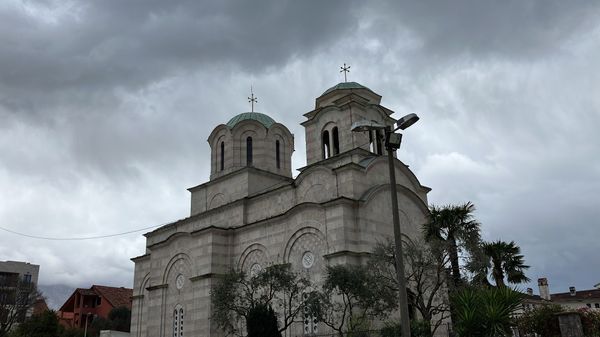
{"x":404,"y":319}
{"x":85,"y":330}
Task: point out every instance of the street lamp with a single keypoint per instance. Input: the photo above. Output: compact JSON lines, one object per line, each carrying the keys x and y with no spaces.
{"x":392,"y":143}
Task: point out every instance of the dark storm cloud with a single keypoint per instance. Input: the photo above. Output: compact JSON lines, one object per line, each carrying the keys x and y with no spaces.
{"x":105,"y":107}
{"x":104,"y":44}
{"x":514,"y":29}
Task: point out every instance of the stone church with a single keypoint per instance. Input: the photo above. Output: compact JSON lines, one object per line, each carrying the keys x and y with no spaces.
{"x":252,"y":212}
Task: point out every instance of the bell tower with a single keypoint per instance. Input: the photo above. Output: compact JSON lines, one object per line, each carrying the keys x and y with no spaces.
{"x":328,"y":126}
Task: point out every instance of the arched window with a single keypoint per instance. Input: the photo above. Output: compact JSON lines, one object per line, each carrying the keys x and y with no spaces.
{"x":277,"y":156}
{"x":249,"y":151}
{"x":178,"y":322}
{"x":222,"y":156}
{"x":326,"y":147}
{"x":379,"y":141}
{"x":336,"y":141}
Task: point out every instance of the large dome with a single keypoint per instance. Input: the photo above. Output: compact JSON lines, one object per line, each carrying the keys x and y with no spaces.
{"x":345,"y":85}
{"x":256,"y":116}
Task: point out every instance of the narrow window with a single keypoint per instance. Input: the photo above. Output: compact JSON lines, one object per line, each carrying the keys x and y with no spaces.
{"x":277,"y":157}
{"x":379,"y":141}
{"x":181,"y":322}
{"x":326,"y":149}
{"x":336,"y":141}
{"x":371,"y":143}
{"x":249,"y":151}
{"x":175,"y":323}
{"x":178,"y":322}
{"x":222,"y":155}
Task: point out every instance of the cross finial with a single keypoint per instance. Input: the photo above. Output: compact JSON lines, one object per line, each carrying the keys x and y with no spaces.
{"x":252,"y":99}
{"x":345,"y":70}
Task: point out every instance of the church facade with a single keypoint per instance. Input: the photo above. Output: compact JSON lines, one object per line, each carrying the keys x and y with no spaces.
{"x":253,"y":213}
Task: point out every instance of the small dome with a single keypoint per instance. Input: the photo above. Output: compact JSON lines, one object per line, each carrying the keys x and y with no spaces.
{"x":345,"y":85}
{"x":257,"y":116}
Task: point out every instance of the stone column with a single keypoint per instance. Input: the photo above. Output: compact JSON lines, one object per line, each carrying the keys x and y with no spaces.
{"x":570,"y":324}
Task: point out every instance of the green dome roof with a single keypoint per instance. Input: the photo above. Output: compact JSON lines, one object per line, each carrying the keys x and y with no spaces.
{"x":257,"y":116}
{"x":345,"y":85}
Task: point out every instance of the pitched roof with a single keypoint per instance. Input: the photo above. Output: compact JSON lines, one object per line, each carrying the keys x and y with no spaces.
{"x":579,"y":295}
{"x":118,"y":297}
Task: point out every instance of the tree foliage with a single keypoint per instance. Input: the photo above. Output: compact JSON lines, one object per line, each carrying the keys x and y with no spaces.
{"x":237,"y":293}
{"x":485,"y":312}
{"x":45,"y":324}
{"x":262,"y":322}
{"x":502,"y":260}
{"x":454,"y":229}
{"x":351,"y":297}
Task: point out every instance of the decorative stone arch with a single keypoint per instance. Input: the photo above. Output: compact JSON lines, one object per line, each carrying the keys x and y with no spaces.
{"x":398,"y":165}
{"x":178,"y":257}
{"x":309,"y":188}
{"x":146,"y":282}
{"x":142,"y":305}
{"x":220,"y":134}
{"x":306,"y":230}
{"x":218,"y":199}
{"x":253,"y":248}
{"x":403,"y":190}
{"x":306,"y":173}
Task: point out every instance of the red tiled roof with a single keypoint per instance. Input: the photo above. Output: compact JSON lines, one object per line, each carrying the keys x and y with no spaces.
{"x":579,"y":295}
{"x":118,"y":297}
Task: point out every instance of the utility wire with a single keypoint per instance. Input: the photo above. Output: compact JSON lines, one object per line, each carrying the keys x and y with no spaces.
{"x":77,"y":238}
{"x":102,"y":236}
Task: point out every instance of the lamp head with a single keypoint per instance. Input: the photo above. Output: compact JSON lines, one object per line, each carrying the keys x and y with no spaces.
{"x":407,"y":121}
{"x":366,"y":125}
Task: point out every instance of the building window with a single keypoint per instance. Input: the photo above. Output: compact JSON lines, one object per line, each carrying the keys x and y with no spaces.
{"x":336,"y":141}
{"x":589,"y":305}
{"x":178,"y":322}
{"x":222,"y":156}
{"x":98,"y":300}
{"x":277,"y":157}
{"x":597,"y":305}
{"x":27,"y":278}
{"x":249,"y":151}
{"x":379,"y":141}
{"x":311,"y":326}
{"x":326,"y":147}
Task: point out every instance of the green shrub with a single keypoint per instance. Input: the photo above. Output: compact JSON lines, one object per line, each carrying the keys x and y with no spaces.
{"x":590,"y":320}
{"x":541,"y":320}
{"x":418,"y":328}
{"x":485,"y":312}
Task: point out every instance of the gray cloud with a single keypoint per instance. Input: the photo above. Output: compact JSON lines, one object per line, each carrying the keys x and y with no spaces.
{"x":105,"y":108}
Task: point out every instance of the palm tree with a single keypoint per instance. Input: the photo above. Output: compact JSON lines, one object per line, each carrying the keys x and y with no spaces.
{"x":506,"y":260}
{"x":453,"y":228}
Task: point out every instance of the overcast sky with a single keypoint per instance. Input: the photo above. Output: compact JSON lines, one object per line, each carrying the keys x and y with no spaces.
{"x":105,"y":108}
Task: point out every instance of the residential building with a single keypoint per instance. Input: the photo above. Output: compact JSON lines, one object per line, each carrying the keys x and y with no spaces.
{"x":573,"y":299}
{"x":18,"y":281}
{"x":85,"y":304}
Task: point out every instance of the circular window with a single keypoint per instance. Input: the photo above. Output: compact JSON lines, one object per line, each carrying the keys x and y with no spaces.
{"x":179,"y":281}
{"x":308,"y":259}
{"x":255,"y":270}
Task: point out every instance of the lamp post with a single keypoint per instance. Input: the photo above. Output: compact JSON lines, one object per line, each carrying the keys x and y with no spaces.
{"x":392,"y":143}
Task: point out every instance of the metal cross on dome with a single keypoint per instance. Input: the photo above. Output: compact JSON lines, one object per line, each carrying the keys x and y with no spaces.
{"x":345,"y":70}
{"x":252,"y":99}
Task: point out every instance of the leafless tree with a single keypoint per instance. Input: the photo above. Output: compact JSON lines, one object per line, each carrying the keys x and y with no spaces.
{"x":426,"y":275}
{"x":17,"y":298}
